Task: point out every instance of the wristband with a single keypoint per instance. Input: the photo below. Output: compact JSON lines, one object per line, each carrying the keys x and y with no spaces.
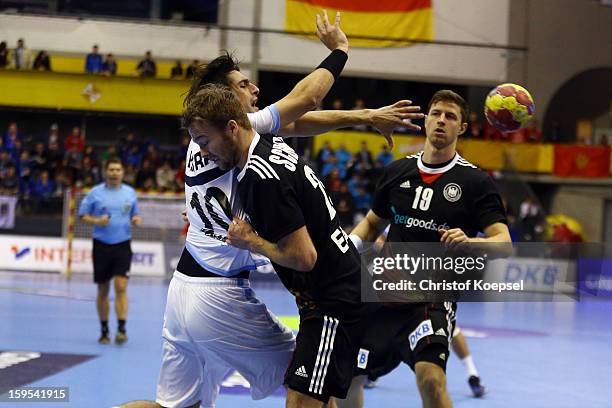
{"x":334,"y":62}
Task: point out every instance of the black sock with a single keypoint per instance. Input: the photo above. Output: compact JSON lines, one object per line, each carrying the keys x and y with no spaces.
{"x":104,"y":326}
{"x":121,"y":326}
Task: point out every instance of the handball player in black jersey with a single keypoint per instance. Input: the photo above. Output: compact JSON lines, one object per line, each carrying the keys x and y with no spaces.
{"x":433,"y":196}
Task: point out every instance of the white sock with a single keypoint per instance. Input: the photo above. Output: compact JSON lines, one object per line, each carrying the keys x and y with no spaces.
{"x":470,"y":367}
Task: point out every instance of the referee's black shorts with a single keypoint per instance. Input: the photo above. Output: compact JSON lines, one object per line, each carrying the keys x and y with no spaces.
{"x":111,"y":260}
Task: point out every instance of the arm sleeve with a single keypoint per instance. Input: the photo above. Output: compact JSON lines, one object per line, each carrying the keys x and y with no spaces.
{"x":266,"y":120}
{"x":488,"y":204}
{"x":381,"y":205}
{"x":87,"y":205}
{"x":273,"y":208}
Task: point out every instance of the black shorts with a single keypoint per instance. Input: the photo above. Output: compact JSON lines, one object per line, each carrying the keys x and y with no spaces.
{"x":409,"y":334}
{"x":111,"y":260}
{"x":323,"y":362}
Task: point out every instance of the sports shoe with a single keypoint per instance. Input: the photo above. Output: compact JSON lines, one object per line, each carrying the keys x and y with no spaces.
{"x":104,"y":338}
{"x":477,"y":389}
{"x":121,"y":338}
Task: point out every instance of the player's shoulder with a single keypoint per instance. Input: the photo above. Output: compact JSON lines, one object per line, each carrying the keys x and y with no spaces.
{"x":128,"y":189}
{"x":98,"y":188}
{"x":270,"y":159}
{"x":469,"y":168}
{"x":404,"y":164}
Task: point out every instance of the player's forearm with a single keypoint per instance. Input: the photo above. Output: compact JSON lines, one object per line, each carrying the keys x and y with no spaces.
{"x":288,"y":257}
{"x":368,"y":229}
{"x":90,"y":219}
{"x":497,"y":245}
{"x":317,"y":122}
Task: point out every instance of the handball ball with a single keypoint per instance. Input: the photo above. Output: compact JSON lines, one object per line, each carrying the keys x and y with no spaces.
{"x":509,"y":107}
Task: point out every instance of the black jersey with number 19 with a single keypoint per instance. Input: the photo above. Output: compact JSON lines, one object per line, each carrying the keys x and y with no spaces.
{"x":421,"y":200}
{"x":280,"y":194}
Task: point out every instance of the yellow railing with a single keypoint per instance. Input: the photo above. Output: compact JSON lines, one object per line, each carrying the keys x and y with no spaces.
{"x":91,"y":92}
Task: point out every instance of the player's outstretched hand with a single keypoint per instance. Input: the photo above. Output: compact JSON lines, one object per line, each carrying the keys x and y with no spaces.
{"x":240,"y":234}
{"x":331,"y":34}
{"x":184,"y":216}
{"x":388,"y":118}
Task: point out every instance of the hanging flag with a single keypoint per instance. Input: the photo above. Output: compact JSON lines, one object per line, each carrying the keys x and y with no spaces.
{"x":582,"y":161}
{"x":372,"y":18}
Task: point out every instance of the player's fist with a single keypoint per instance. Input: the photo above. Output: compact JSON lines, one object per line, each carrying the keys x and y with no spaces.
{"x":136,"y":220}
{"x":453,"y":236}
{"x":331,"y":34}
{"x":240,"y":234}
{"x":103,"y":220}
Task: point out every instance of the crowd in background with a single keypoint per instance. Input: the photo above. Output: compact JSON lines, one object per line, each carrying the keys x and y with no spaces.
{"x":20,"y":57}
{"x":39,"y":169}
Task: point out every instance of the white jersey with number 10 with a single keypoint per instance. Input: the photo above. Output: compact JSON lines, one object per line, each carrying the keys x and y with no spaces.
{"x":211,"y":199}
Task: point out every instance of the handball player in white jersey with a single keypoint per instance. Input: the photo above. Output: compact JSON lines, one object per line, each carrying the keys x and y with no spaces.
{"x":213,"y":322}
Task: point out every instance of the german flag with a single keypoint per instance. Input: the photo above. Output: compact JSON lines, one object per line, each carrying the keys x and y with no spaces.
{"x":397,"y":19}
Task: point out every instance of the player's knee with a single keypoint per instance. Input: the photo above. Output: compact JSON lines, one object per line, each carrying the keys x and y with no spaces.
{"x":432,"y":384}
{"x":296,"y":399}
{"x":120,"y":286}
{"x":103,"y":290}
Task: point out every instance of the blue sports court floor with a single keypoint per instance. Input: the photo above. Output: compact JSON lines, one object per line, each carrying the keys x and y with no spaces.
{"x":528,"y":354}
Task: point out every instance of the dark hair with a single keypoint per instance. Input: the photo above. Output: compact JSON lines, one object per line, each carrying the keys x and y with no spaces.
{"x":113,"y":160}
{"x":446,"y":95}
{"x":215,"y":104}
{"x":215,"y":72}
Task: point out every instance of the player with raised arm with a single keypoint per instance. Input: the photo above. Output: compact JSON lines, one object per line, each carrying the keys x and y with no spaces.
{"x":297,"y":229}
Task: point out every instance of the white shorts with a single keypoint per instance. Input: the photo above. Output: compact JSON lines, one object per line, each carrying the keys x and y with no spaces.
{"x":214,"y":325}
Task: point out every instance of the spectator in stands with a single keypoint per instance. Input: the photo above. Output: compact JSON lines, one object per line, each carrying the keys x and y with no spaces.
{"x":164,"y":177}
{"x":345,"y":207}
{"x":337,"y":104}
{"x":343,"y":156}
{"x":93,"y":61}
{"x":385,"y":157}
{"x":43,"y":187}
{"x":323,"y":155}
{"x":53,"y":136}
{"x":108,"y":153}
{"x":177,"y":70}
{"x":10,"y":181}
{"x":184,"y":146}
{"x":179,"y":177}
{"x":127,"y":143}
{"x":475,"y":129}
{"x":42,"y":62}
{"x":149,"y":185}
{"x":363,"y":158}
{"x":109,"y":66}
{"x":363,"y":200}
{"x":4,"y":54}
{"x":152,"y":155}
{"x":359,"y":105}
{"x":332,"y":184}
{"x":133,"y":156}
{"x":90,"y":170}
{"x":39,"y":157}
{"x":73,"y":159}
{"x":146,"y":67}
{"x":11,"y":136}
{"x":5,"y":162}
{"x":191,"y":69}
{"x":75,"y":138}
{"x":90,"y":153}
{"x":147,"y":171}
{"x":54,"y":156}
{"x":24,"y":171}
{"x":21,"y":56}
{"x":130,"y":175}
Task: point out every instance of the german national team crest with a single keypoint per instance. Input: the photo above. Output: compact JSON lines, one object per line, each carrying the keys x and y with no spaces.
{"x":452,"y":192}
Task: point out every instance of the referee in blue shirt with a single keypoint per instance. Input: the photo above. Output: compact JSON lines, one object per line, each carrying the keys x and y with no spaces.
{"x":112,"y":208}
